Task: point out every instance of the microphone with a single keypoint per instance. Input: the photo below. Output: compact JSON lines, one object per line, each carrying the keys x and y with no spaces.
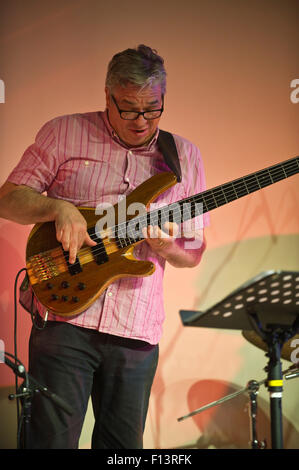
{"x":19,"y":370}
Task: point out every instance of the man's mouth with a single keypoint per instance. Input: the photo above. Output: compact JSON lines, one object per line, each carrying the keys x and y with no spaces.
{"x":139,"y":131}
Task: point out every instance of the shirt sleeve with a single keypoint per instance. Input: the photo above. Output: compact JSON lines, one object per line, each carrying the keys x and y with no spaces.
{"x":39,"y":164}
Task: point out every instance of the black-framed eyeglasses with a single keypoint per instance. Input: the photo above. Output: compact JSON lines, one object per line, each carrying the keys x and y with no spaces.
{"x":132,"y":115}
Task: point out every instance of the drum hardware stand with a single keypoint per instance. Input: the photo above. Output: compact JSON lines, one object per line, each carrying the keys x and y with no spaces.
{"x":268,"y":305}
{"x":253,"y":389}
{"x":25,"y":392}
{"x":293,"y":374}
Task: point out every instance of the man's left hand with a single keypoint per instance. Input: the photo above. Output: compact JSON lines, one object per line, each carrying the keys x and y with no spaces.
{"x":161,"y":241}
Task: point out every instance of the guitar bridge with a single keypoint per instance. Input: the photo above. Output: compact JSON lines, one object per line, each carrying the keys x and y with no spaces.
{"x":44,"y":266}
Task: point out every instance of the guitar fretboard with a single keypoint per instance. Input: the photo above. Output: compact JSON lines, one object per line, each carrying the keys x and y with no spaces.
{"x":190,"y":207}
{"x":240,"y":187}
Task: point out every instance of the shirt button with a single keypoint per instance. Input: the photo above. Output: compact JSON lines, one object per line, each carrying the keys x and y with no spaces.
{"x":86,"y":163}
{"x":110,"y":294}
{"x":130,"y":152}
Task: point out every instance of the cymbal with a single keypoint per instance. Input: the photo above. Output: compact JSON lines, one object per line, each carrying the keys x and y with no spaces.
{"x":256,"y":340}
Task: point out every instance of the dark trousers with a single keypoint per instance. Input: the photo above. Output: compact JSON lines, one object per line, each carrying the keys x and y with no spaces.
{"x":76,"y":363}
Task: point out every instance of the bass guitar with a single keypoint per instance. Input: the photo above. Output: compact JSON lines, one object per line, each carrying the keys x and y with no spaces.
{"x":68,"y":289}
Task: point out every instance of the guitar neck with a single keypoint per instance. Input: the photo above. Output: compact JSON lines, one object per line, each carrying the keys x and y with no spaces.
{"x":206,"y":201}
{"x":228,"y":192}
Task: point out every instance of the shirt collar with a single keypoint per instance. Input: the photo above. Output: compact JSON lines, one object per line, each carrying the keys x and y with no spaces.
{"x":115,"y":137}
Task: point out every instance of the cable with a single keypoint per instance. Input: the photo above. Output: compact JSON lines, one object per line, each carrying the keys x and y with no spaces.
{"x":33,"y":316}
{"x":15,"y":336}
{"x":15,"y":355}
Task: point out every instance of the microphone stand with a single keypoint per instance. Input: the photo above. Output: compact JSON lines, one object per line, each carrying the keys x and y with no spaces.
{"x":29,"y":387}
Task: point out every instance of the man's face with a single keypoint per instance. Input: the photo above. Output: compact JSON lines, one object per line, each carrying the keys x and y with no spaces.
{"x":138,"y":132}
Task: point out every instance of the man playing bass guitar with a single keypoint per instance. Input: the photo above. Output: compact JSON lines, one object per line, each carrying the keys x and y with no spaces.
{"x":108,"y":350}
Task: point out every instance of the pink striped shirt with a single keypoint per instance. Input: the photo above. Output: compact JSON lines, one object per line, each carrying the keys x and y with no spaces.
{"x":80,"y":159}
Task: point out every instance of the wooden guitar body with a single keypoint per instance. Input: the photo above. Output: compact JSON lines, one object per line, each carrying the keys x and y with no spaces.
{"x":68,"y":290}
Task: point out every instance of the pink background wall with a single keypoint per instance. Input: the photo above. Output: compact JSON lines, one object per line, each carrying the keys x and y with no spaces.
{"x":230,"y":67}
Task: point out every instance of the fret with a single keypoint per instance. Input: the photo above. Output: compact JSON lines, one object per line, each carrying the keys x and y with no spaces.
{"x":277,"y":173}
{"x":213,"y":195}
{"x":224,"y":195}
{"x":200,"y":199}
{"x":285,"y":175}
{"x":205,"y":207}
{"x":229,"y":192}
{"x":258,"y":182}
{"x":292,"y":167}
{"x":172,"y":213}
{"x":178,"y":215}
{"x":133,"y":232}
{"x":241,"y":187}
{"x":210,"y":203}
{"x":188,"y":211}
{"x":219,"y":196}
{"x":152,"y":218}
{"x":252,"y":183}
{"x":121,"y":242}
{"x":264,"y":178}
{"x":197,"y":209}
{"x":234,"y":190}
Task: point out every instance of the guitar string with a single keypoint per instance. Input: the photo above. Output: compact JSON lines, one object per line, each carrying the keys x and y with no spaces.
{"x":122,"y":228}
{"x":122,"y":234}
{"x":101,"y":250}
{"x":219,"y":190}
{"x":250,"y":183}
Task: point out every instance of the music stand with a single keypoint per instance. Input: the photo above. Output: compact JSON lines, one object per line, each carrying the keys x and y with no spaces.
{"x":269,"y":305}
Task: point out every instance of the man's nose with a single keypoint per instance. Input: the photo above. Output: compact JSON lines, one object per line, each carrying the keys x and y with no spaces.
{"x":140,"y":119}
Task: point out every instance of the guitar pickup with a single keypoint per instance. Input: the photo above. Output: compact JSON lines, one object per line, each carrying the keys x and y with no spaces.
{"x":99,"y":250}
{"x":74,"y":268}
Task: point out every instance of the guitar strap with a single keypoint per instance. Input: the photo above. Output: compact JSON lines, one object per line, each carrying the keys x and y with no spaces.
{"x":168,"y":148}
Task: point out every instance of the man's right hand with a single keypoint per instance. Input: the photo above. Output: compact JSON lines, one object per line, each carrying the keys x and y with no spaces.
{"x":26,"y":206}
{"x":71,"y":229}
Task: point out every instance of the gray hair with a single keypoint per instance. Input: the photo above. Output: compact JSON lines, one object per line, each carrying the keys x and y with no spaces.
{"x":141,"y":66}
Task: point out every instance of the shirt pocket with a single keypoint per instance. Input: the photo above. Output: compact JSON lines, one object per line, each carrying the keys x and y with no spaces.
{"x":79,"y":179}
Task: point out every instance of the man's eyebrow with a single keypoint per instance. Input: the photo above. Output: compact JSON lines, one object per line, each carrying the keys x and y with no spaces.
{"x":156,"y":101}
{"x":150,"y":103}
